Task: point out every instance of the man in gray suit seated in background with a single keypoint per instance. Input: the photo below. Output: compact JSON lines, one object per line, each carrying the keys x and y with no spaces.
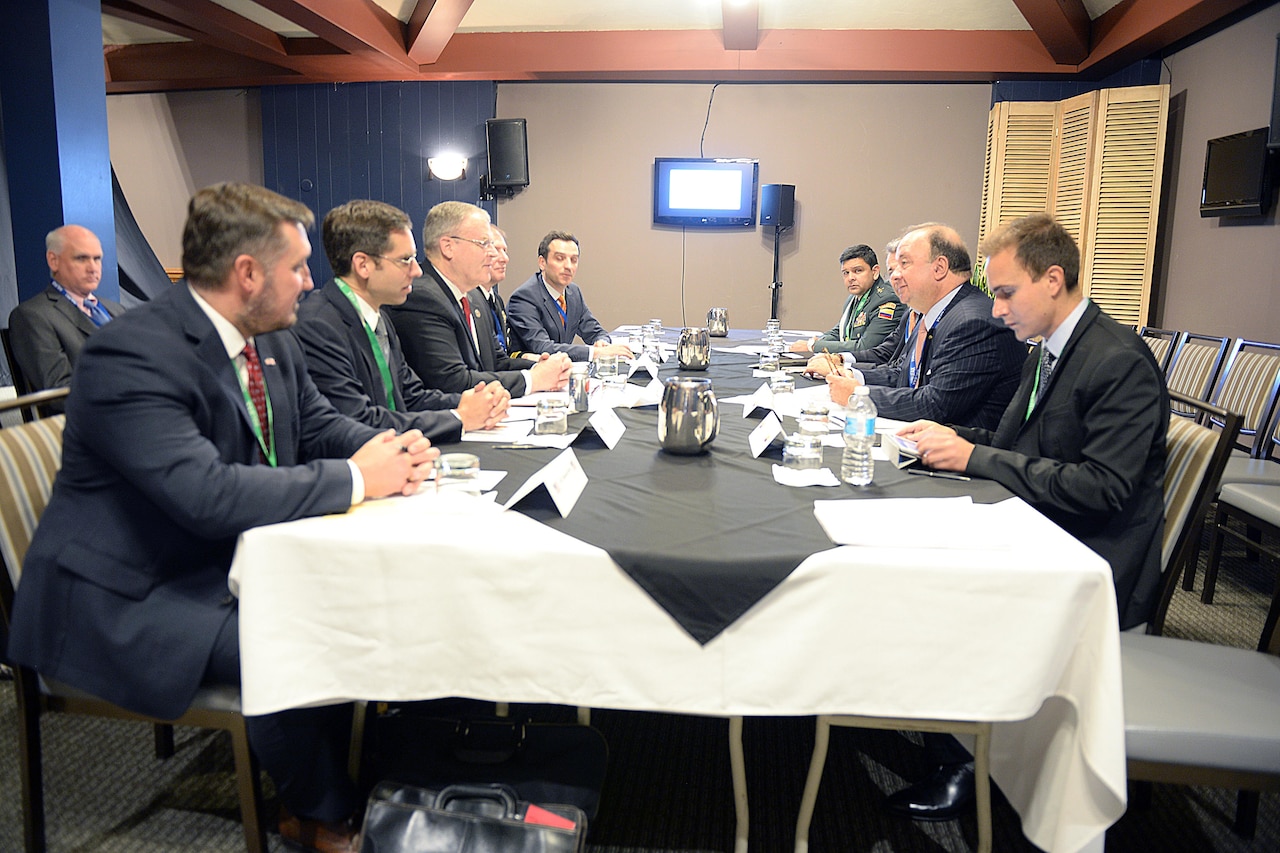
{"x":48,"y":330}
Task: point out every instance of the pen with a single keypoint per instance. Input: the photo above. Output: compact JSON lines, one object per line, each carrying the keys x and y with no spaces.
{"x":943,"y":475}
{"x":517,"y":447}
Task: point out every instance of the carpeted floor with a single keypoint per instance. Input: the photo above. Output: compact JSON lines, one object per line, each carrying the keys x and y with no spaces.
{"x":668,"y":786}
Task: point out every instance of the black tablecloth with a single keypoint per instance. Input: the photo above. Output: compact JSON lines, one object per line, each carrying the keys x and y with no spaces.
{"x":705,"y":536}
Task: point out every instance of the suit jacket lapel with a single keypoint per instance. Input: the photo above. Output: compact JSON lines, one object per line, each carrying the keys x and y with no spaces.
{"x":366,"y":364}
{"x":69,"y":310}
{"x":281,"y":393}
{"x":460,"y":330}
{"x":209,"y":349}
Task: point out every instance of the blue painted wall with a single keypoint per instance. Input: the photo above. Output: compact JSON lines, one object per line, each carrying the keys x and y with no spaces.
{"x":327,"y":144}
{"x":1145,"y":72}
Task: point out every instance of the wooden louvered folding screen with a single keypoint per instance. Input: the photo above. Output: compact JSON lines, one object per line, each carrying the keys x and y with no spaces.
{"x":1095,"y":162}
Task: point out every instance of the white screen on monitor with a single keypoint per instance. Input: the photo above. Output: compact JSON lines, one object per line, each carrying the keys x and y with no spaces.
{"x":702,"y":189}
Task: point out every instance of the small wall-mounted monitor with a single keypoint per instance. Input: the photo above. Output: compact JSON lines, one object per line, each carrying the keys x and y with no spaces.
{"x":705,"y":193}
{"x":1236,"y":179}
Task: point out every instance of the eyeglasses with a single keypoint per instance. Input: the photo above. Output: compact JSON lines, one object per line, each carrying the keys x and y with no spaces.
{"x":483,"y":244}
{"x":406,"y":262}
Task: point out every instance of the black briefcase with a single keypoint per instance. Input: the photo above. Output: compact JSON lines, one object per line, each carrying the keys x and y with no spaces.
{"x":467,"y":819}
{"x":554,"y":762}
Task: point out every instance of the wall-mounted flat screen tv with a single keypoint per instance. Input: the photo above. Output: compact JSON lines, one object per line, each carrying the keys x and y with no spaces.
{"x":705,"y":193}
{"x":1235,"y":175}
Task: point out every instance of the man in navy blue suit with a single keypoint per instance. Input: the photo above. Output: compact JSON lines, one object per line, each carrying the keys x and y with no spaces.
{"x":958,"y":365}
{"x":192,"y":420}
{"x":547,"y":312}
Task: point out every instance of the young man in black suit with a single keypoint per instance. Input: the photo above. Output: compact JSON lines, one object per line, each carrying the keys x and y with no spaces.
{"x":353,"y":352}
{"x":1083,"y":441}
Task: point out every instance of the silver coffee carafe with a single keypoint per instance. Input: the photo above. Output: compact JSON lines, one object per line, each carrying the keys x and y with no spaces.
{"x":688,"y":417}
{"x":718,"y":322}
{"x":694,"y":349}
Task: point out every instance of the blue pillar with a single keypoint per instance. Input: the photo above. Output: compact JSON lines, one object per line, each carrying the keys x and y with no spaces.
{"x":57,"y":155}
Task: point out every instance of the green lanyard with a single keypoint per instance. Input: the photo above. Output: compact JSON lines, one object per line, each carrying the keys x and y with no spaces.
{"x":853,"y":313}
{"x":267,"y":439}
{"x":378,"y":357}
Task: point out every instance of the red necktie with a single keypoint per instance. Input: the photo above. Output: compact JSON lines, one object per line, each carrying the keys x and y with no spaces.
{"x":257,"y":389}
{"x":471,"y":323}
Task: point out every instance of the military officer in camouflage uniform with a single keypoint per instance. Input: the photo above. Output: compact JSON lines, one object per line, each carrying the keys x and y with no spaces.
{"x":870,"y":313}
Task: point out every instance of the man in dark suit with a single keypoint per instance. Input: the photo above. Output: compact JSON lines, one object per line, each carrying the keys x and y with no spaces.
{"x":871,"y":310}
{"x":48,"y":330}
{"x":958,"y":365}
{"x":353,"y":351}
{"x":192,"y":421}
{"x":1083,"y":441}
{"x":447,"y":325}
{"x":547,"y":312}
{"x":497,"y":307}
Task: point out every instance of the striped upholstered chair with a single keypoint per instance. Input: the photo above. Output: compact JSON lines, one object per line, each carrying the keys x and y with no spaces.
{"x":1162,"y":342}
{"x":30,"y":456}
{"x":1194,"y":366}
{"x":1196,"y":713}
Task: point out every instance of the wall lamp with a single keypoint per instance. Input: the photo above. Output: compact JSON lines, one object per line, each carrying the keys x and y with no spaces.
{"x":446,"y":167}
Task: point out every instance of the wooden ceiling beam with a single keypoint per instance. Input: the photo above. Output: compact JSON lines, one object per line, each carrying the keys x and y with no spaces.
{"x":431,"y":24}
{"x":206,"y":22}
{"x":1137,"y":29}
{"x":1062,"y":26}
{"x":689,"y":55}
{"x":741,"y":21}
{"x":355,"y":26}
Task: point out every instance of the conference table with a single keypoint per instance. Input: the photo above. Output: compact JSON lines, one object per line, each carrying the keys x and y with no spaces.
{"x":699,"y":585}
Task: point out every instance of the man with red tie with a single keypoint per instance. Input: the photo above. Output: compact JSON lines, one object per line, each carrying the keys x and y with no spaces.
{"x":446,"y":325}
{"x":194,"y":420}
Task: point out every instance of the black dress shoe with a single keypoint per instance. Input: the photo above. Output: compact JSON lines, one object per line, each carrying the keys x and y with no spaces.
{"x":945,"y":795}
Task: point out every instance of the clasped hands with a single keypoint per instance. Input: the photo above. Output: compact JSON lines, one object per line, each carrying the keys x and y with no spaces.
{"x":395,"y":464}
{"x":939,"y":446}
{"x":483,"y":406}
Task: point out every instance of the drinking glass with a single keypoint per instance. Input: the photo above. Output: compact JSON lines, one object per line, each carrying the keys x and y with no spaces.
{"x":552,"y":417}
{"x":458,"y":472}
{"x":802,"y":451}
{"x":608,"y":372}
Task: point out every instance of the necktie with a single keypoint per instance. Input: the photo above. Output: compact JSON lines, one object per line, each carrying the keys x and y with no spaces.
{"x":497,"y":320}
{"x":384,"y":343}
{"x":1047,"y":361}
{"x":257,"y":389}
{"x":919,"y":332}
{"x":95,"y":311}
{"x":564,"y":310}
{"x":471,"y":323}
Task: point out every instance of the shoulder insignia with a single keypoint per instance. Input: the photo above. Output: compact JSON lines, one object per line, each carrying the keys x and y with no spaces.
{"x":887,"y":309}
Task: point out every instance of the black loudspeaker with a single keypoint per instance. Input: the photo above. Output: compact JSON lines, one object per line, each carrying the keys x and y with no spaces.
{"x":778,"y":205}
{"x":508,"y":152}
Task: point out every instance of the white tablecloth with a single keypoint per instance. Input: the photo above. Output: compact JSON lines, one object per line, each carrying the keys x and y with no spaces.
{"x":432,"y":596}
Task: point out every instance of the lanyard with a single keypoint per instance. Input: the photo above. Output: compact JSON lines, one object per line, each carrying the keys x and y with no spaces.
{"x":913,"y":369}
{"x":267,"y":440}
{"x":1035,"y":388}
{"x":378,"y":357}
{"x":563,"y":312}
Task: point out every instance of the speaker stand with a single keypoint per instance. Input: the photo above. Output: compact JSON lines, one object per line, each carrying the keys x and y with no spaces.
{"x":776,"y":284}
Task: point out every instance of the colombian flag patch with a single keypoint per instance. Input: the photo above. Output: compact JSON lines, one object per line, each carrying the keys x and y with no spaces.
{"x":886,"y":310}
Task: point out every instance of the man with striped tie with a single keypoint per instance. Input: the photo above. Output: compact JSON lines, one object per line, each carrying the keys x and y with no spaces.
{"x":48,"y":330}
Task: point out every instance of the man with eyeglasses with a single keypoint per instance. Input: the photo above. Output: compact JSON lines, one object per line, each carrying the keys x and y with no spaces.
{"x":447,"y":325}
{"x":353,"y":353}
{"x":547,"y":312}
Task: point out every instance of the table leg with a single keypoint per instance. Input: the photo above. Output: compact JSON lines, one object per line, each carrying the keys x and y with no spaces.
{"x":739,"y":766}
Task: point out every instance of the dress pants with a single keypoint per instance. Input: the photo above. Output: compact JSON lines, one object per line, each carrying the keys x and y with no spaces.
{"x":942,"y":748}
{"x":303,"y":749}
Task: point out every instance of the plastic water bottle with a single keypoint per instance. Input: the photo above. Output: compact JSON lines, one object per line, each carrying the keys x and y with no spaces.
{"x":856,"y":464}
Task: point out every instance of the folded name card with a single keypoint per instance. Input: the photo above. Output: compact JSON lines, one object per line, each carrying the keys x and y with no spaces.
{"x":562,"y":478}
{"x":764,"y":434}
